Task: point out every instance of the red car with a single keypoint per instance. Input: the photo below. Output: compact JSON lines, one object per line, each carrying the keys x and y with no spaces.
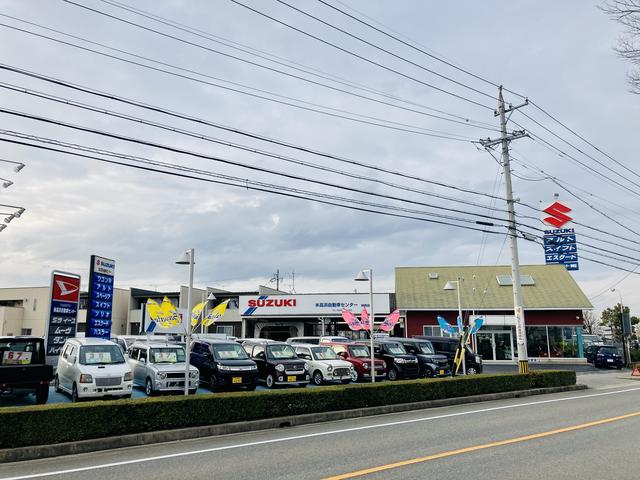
{"x":360,"y":357}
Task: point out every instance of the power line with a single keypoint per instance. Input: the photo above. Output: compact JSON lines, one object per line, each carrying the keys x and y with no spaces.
{"x":312,"y":108}
{"x":349,"y":52}
{"x":131,"y":118}
{"x":182,"y":116}
{"x":288,"y":63}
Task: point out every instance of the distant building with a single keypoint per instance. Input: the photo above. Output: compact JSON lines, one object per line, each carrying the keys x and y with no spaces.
{"x":553,"y":305}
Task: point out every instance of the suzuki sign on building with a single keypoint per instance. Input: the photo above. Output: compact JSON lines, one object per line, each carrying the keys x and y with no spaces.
{"x":560,"y":244}
{"x":311,"y":305}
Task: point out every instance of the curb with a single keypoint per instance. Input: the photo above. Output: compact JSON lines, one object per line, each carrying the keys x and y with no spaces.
{"x":162,"y":436}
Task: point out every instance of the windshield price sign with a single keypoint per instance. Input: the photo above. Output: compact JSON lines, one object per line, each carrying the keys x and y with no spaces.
{"x":560,"y":247}
{"x":100,"y":303}
{"x":63,"y":312}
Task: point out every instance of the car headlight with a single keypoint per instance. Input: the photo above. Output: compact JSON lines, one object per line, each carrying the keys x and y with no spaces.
{"x":329,"y":369}
{"x":254,"y":367}
{"x":366,"y":366}
{"x":384,"y":364}
{"x":400,"y":360}
{"x":161,"y":375}
{"x":224,"y":368}
{"x":128,"y":376}
{"x":86,"y":378}
{"x":193,"y":373}
{"x":280,"y":367}
{"x":478,"y":359}
{"x":306,"y":367}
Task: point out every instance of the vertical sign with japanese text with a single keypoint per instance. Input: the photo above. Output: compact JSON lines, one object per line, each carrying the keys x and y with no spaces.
{"x":63,"y":312}
{"x":560,"y":245}
{"x":100,"y":301}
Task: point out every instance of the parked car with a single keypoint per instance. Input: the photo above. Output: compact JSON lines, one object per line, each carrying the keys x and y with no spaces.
{"x":125,"y":341}
{"x":93,"y":368}
{"x":604,"y":356}
{"x":277,"y":363}
{"x":432,"y":364}
{"x":360,"y":357}
{"x":22,"y":367}
{"x":223,"y":364}
{"x":324,"y":364}
{"x":399,"y":363}
{"x":160,"y":367}
{"x":447,"y":346}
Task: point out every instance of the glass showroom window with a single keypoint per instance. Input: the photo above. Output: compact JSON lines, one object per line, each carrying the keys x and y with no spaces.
{"x":537,"y":343}
{"x":563,"y":342}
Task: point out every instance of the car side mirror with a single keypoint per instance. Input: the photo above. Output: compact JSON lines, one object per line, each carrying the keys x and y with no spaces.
{"x":343,"y":355}
{"x":143,"y":360}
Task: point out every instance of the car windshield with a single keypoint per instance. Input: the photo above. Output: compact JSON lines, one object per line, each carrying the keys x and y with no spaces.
{"x":19,"y":352}
{"x":608,"y":350}
{"x":167,"y":355}
{"x":229,"y":352}
{"x":425,"y":347}
{"x":281,"y":352}
{"x":324,"y":353}
{"x":100,"y":354}
{"x":395,"y":349}
{"x":359,"y":351}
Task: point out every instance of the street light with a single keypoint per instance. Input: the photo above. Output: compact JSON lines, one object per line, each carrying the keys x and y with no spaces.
{"x":204,"y":309}
{"x":367,"y":276}
{"x":450,"y":286}
{"x":187,"y":258}
{"x":18,"y":165}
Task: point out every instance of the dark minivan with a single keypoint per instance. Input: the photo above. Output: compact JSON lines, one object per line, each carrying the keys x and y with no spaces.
{"x":399,"y":363}
{"x":604,"y":356}
{"x":447,"y":346}
{"x":277,"y":363}
{"x":223,"y":364}
{"x":432,"y":364}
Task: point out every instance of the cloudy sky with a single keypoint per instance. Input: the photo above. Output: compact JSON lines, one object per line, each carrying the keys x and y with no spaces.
{"x":558,"y":54}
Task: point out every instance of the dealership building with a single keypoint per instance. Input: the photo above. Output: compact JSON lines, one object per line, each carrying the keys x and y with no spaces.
{"x":552,"y":300}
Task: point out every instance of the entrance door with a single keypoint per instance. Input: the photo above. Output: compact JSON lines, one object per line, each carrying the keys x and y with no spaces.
{"x":495,"y":345}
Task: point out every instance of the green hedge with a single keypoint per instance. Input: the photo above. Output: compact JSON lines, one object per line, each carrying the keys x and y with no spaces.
{"x":47,"y":424}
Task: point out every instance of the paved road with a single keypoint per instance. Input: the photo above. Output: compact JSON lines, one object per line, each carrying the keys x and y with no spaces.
{"x":551,"y":436}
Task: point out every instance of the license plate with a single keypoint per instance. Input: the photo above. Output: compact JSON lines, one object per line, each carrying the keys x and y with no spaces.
{"x":291,"y":378}
{"x":610,"y":360}
{"x":441,"y":372}
{"x":236,"y":379}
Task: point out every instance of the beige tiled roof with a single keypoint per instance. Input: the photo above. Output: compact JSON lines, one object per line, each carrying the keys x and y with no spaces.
{"x":554,"y":288}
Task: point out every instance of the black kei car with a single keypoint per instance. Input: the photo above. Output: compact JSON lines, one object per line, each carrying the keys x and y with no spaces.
{"x":277,"y":363}
{"x":447,"y":346}
{"x":603,"y":356}
{"x":223,"y":364}
{"x":399,"y":363}
{"x":431,"y":363}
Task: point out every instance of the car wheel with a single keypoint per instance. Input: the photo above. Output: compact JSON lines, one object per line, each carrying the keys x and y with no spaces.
{"x":472,"y":371}
{"x":428,"y":373}
{"x":317,"y":377}
{"x":56,"y":384}
{"x":74,"y":394}
{"x":213,"y":383}
{"x":269,"y":381}
{"x":148,"y":388}
{"x":354,"y":376}
{"x":42,"y":394}
{"x":392,"y":374}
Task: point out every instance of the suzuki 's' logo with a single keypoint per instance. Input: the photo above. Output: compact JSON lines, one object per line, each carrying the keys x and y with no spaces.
{"x":66,"y":288}
{"x":557,"y":212}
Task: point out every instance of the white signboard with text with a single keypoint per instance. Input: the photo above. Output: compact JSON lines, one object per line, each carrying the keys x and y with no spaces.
{"x":311,"y":305}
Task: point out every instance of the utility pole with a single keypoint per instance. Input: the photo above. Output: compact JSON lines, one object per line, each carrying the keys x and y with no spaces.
{"x":505,"y":139}
{"x":276,"y":278}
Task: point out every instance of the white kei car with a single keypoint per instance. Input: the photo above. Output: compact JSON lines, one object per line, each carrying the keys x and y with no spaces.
{"x":93,"y":367}
{"x":324,"y":364}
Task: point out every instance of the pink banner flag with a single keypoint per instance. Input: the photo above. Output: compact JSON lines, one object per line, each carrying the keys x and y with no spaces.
{"x":364,"y":318}
{"x":390,"y":321}
{"x":351,"y":319}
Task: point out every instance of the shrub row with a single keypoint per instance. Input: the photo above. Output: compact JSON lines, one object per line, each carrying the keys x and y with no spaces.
{"x":48,"y":424}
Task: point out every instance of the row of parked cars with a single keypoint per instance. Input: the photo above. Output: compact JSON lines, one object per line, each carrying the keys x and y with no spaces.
{"x":94,"y":368}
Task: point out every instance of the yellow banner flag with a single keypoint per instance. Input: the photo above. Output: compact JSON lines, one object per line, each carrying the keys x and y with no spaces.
{"x":170,"y":317}
{"x":153,"y":308}
{"x":216,"y":313}
{"x":196,"y":313}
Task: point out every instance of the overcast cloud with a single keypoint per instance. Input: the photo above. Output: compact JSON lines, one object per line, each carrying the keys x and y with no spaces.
{"x":559,"y":54}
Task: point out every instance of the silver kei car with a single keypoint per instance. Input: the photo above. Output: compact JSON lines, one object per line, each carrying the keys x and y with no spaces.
{"x":160,"y":367}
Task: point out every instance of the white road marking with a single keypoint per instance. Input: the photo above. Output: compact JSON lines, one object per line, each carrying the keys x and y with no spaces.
{"x":311,"y":435}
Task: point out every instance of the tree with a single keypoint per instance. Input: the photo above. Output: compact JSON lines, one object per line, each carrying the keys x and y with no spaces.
{"x":591,"y":323}
{"x":611,"y":318}
{"x":627,"y":13}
